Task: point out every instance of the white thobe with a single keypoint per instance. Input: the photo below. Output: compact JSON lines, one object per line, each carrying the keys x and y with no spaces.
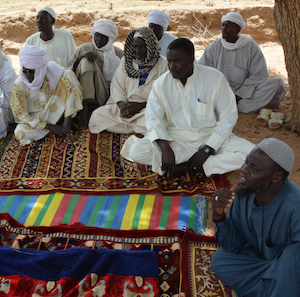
{"x":203,"y":112}
{"x":164,"y":42}
{"x":7,"y":79}
{"x":33,"y":109}
{"x":126,"y":89}
{"x":246,"y":71}
{"x":59,"y":49}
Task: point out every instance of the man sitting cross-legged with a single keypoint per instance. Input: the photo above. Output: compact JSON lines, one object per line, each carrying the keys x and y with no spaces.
{"x":260,"y":236}
{"x":95,"y":64}
{"x":241,"y":60}
{"x":59,"y":44}
{"x":42,"y":95}
{"x":131,"y":85}
{"x":189,"y":116}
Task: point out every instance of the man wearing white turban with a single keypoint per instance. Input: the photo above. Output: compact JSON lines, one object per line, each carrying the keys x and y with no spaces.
{"x":42,"y":95}
{"x":7,"y":79}
{"x":58,"y":43}
{"x":242,"y":62}
{"x":95,"y":64}
{"x":141,"y":65}
{"x":159,"y":21}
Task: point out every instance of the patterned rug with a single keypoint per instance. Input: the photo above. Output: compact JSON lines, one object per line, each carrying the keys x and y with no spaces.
{"x":92,"y":165}
{"x":121,"y":212}
{"x":183,"y":257}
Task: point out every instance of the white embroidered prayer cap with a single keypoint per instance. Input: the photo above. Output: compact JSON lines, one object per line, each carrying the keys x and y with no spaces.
{"x":50,"y":11}
{"x":279,"y":152}
{"x":234,"y":17}
{"x":160,"y":18}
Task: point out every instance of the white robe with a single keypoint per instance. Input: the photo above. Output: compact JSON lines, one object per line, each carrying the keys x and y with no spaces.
{"x":7,"y":79}
{"x":59,"y":49}
{"x":246,"y":71}
{"x":164,"y":42}
{"x":33,"y":109}
{"x":203,"y":112}
{"x":126,"y":89}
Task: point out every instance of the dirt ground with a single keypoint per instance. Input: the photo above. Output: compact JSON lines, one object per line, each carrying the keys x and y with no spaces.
{"x":17,"y":22}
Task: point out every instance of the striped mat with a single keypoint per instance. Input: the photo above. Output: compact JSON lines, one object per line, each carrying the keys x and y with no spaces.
{"x":122,"y":212}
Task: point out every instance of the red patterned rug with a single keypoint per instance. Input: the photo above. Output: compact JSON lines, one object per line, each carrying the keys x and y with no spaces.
{"x":92,"y":165}
{"x":183,"y":256}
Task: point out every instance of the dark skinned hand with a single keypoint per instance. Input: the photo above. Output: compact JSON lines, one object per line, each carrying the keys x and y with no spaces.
{"x":129,"y":109}
{"x":225,"y":199}
{"x":59,"y":130}
{"x":91,"y":57}
{"x":196,"y":161}
{"x":168,"y":157}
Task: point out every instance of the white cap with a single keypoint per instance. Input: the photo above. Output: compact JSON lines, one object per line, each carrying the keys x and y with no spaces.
{"x":49,"y":10}
{"x":234,"y":17}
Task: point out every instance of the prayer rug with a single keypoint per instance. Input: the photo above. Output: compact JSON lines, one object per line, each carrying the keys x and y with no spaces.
{"x":123,"y":212}
{"x":183,"y":256}
{"x":92,"y":165}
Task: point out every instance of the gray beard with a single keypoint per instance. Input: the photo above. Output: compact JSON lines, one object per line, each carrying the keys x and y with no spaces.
{"x":245,"y":192}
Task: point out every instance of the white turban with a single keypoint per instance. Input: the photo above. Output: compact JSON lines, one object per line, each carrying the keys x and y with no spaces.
{"x":4,"y":57}
{"x":159,"y":17}
{"x":110,"y":60}
{"x":234,"y":17}
{"x":33,"y":57}
{"x":49,"y":10}
{"x":279,"y":152}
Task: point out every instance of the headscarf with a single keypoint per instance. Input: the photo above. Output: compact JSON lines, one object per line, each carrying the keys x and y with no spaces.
{"x":110,"y":60}
{"x":160,"y":18}
{"x":33,"y":57}
{"x":152,"y":52}
{"x":241,"y":41}
{"x":49,"y":10}
{"x":234,"y":17}
{"x":279,"y":152}
{"x":4,"y":57}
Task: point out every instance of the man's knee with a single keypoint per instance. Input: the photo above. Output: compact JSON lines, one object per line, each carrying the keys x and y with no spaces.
{"x":140,"y":150}
{"x":216,"y":262}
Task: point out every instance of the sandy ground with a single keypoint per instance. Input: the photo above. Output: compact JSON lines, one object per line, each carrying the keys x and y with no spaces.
{"x":18,"y":22}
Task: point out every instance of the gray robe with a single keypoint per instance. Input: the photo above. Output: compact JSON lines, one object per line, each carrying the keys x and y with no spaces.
{"x":260,"y":254}
{"x":246,"y":71}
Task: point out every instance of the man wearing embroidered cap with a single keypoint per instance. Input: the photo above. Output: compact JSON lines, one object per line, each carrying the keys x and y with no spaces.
{"x":43,"y":94}
{"x":159,"y":21}
{"x":95,"y":64}
{"x":260,"y":236}
{"x":242,"y":62}
{"x":141,"y":65}
{"x":58,"y":43}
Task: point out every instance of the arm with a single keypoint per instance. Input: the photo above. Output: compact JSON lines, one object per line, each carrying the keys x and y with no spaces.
{"x":257,"y":71}
{"x":228,"y":229}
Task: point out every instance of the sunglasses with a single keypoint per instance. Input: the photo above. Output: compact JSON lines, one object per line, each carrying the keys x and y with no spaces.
{"x":30,"y":71}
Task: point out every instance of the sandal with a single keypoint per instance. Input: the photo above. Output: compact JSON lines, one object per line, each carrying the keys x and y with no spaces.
{"x":264,"y":116}
{"x":276,"y":120}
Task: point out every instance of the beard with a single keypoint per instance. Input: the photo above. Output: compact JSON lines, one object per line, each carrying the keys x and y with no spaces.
{"x":242,"y":192}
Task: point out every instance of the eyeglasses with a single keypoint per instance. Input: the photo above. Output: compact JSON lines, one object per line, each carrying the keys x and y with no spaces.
{"x":30,"y":71}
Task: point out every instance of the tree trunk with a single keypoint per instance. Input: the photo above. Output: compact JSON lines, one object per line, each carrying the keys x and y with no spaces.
{"x":287,"y":20}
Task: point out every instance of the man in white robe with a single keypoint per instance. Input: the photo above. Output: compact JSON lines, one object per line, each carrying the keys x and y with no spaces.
{"x":242,"y":62}
{"x":7,"y":79}
{"x":58,"y":43}
{"x":95,"y":64}
{"x":43,"y":94}
{"x":124,"y":111}
{"x":190,"y":114}
{"x":159,"y":21}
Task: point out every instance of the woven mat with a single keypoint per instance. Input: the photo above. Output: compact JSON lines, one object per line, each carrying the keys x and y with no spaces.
{"x":183,"y":257}
{"x":92,"y":165}
{"x":121,"y":212}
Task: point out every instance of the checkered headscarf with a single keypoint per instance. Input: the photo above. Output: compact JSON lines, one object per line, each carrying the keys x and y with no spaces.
{"x":152,"y":52}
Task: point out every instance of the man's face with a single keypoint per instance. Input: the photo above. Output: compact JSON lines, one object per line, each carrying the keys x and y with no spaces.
{"x":230,"y":31}
{"x":44,"y":21}
{"x":29,"y":73}
{"x":139,"y":49}
{"x":180,"y":65}
{"x":257,"y":173}
{"x":100,"y":39}
{"x":157,"y":29}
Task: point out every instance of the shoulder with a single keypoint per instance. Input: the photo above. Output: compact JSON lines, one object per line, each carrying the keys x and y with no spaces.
{"x":32,"y":38}
{"x":207,"y":72}
{"x":291,"y":192}
{"x":162,"y":65}
{"x":86,"y":46}
{"x":63,"y":32}
{"x":169,"y":36}
{"x":119,"y":52}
